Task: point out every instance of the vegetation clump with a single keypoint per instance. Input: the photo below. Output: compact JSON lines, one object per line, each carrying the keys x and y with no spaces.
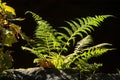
{"x":9,"y":34}
{"x":51,"y":46}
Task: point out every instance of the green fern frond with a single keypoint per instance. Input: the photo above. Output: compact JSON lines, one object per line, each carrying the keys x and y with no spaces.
{"x":57,"y":60}
{"x":81,"y":26}
{"x":36,"y":17}
{"x":85,"y":67}
{"x":45,"y":35}
{"x":84,"y":52}
{"x":74,"y":28}
{"x":37,"y":53}
{"x":94,"y":21}
{"x":101,"y":45}
{"x":62,"y":36}
{"x":93,"y":53}
{"x":68,"y":30}
{"x":79,"y":46}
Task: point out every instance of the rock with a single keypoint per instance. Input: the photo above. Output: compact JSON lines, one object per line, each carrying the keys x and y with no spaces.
{"x":40,"y":73}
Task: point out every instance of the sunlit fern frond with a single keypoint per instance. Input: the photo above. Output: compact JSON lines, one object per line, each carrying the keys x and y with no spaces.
{"x":84,"y":50}
{"x":91,"y":51}
{"x":101,"y":45}
{"x":79,"y":46}
{"x":80,"y":27}
{"x":94,"y":53}
{"x":96,"y":50}
{"x":57,"y":60}
{"x":45,"y":35}
{"x":93,"y":21}
{"x":36,"y":17}
{"x":37,"y":53}
{"x":83,"y":43}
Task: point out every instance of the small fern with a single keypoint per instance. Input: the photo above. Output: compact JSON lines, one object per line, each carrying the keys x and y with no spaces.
{"x":49,"y":43}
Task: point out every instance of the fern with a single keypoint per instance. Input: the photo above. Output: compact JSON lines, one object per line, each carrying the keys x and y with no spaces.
{"x":49,"y":43}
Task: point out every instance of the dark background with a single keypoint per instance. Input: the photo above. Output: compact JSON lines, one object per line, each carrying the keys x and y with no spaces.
{"x":58,"y":11}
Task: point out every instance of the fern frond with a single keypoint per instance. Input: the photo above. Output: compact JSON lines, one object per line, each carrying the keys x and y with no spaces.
{"x":37,"y":53}
{"x":61,"y":36}
{"x":86,"y":67}
{"x":36,"y":17}
{"x":68,"y":30}
{"x":83,"y":43}
{"x":57,"y":60}
{"x":94,"y":21}
{"x":74,"y":28}
{"x":79,"y":46}
{"x":101,"y":45}
{"x":82,"y":26}
{"x":93,"y":53}
{"x":96,"y":50}
{"x":45,"y":35}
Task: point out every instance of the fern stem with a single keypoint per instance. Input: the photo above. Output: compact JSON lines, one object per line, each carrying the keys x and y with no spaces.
{"x":67,"y":42}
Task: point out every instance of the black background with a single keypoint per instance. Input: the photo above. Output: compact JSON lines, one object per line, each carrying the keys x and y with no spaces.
{"x":58,"y":11}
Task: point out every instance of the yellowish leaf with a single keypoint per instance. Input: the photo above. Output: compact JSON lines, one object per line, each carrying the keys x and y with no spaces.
{"x":8,"y":8}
